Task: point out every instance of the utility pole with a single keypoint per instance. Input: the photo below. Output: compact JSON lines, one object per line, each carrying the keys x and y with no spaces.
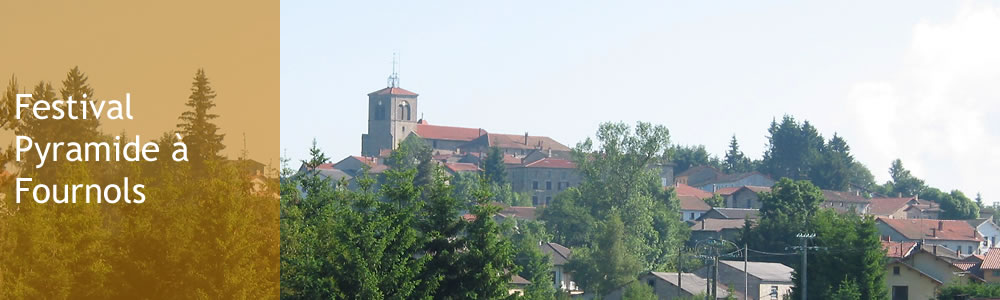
{"x":805,"y":253}
{"x":746,"y":278}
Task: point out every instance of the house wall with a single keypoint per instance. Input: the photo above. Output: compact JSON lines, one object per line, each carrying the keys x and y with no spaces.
{"x":764,"y":291}
{"x":663,"y":289}
{"x":687,"y":215}
{"x":752,"y":180}
{"x":919,"y":286}
{"x":743,"y":199}
{"x":992,"y":276}
{"x":914,"y":213}
{"x":550,"y":181}
{"x":990,"y":233}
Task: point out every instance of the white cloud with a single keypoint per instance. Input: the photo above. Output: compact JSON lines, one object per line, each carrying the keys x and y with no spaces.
{"x":939,"y":113}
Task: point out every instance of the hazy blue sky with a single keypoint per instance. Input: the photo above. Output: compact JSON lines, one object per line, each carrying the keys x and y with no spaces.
{"x":917,"y":80}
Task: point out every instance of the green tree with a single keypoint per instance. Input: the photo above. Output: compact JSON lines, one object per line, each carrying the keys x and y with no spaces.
{"x":716,"y":201}
{"x":75,"y":86}
{"x":966,"y":290}
{"x":847,"y":290}
{"x":607,"y":264}
{"x":535,"y":266}
{"x":903,"y":183}
{"x":735,"y":162}
{"x":441,"y":225}
{"x":792,"y":148}
{"x":833,"y":168}
{"x":493,"y":167}
{"x":488,"y":262}
{"x":619,"y":178}
{"x":638,"y":291}
{"x":201,"y":136}
{"x":686,"y":157}
{"x":954,"y":205}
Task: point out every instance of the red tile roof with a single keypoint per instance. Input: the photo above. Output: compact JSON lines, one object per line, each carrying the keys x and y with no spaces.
{"x":728,"y":191}
{"x":514,"y":141}
{"x":511,"y":160}
{"x":520,"y":212}
{"x":551,"y":162}
{"x":887,"y":206}
{"x":693,"y":203}
{"x":462,"y":167}
{"x":915,"y":229}
{"x":393,"y":91}
{"x":435,"y":132}
{"x":992,"y":261}
{"x":686,"y":190}
{"x":326,"y":166}
{"x":897,"y":249}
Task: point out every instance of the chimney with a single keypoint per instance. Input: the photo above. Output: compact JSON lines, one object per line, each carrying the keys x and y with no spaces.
{"x":525,"y":138}
{"x":703,"y":224}
{"x":940,"y":225}
{"x":900,"y":195}
{"x":935,"y":250}
{"x":933,"y":232}
{"x":917,"y":197}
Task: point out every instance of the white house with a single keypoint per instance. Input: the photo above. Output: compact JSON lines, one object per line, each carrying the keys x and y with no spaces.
{"x":988,"y":230}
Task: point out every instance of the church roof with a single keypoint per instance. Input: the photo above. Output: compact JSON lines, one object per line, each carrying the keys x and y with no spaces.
{"x":435,"y":132}
{"x":393,"y":91}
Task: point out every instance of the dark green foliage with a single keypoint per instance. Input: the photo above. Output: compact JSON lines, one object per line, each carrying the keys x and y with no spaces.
{"x":686,"y":157}
{"x":441,"y":224}
{"x":792,"y":148}
{"x":488,"y":264}
{"x":493,"y":167}
{"x":606,"y":264}
{"x":414,"y":153}
{"x":903,"y":183}
{"x":535,"y":266}
{"x":963,"y":291}
{"x":735,"y":162}
{"x":716,"y":201}
{"x":638,"y":291}
{"x":847,"y":290}
{"x":851,"y":243}
{"x":618,"y":179}
{"x":196,"y":127}
{"x":954,"y":205}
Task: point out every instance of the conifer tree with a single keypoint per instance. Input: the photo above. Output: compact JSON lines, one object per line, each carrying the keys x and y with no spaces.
{"x":488,"y":262}
{"x":75,"y":85}
{"x":735,"y":161}
{"x":493,"y":167}
{"x":199,"y":133}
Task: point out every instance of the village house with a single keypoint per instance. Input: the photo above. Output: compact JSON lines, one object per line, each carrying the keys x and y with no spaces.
{"x":951,"y":234}
{"x":559,"y":256}
{"x":725,"y":229}
{"x":667,"y":285}
{"x":765,"y":280}
{"x":742,"y":196}
{"x":731,"y":213}
{"x":543,"y":178}
{"x":991,"y":266}
{"x":692,"y":201}
{"x":988,"y":230}
{"x":913,"y":272}
{"x":710,"y":179}
{"x":904,"y":208}
{"x":845,"y":201}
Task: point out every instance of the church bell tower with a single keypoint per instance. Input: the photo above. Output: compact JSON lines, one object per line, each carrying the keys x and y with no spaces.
{"x":392,"y":116}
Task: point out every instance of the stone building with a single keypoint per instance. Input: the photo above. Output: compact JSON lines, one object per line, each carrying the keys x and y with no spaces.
{"x":543,"y":178}
{"x":392,"y":116}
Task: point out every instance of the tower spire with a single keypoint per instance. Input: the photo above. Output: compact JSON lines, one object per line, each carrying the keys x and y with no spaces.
{"x":393,"y":80}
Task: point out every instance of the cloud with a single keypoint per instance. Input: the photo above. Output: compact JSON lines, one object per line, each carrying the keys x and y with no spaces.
{"x":939,"y":113}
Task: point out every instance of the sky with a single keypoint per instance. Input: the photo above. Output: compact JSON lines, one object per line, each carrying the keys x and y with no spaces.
{"x":915,"y":80}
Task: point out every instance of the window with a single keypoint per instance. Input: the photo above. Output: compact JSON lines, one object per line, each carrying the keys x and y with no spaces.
{"x":548,"y":185}
{"x":996,"y":273}
{"x":547,"y":200}
{"x":435,"y":144}
{"x":404,"y":111}
{"x":534,"y":200}
{"x":774,"y":292}
{"x":692,"y":215}
{"x":534,"y":185}
{"x":895,"y":270}
{"x":900,"y":292}
{"x":970,"y":249}
{"x":651,"y":282}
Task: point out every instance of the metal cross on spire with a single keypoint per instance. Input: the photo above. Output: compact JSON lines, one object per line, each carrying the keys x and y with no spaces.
{"x":393,"y":80}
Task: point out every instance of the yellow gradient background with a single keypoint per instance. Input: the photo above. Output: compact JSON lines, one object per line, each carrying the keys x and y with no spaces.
{"x":210,"y":233}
